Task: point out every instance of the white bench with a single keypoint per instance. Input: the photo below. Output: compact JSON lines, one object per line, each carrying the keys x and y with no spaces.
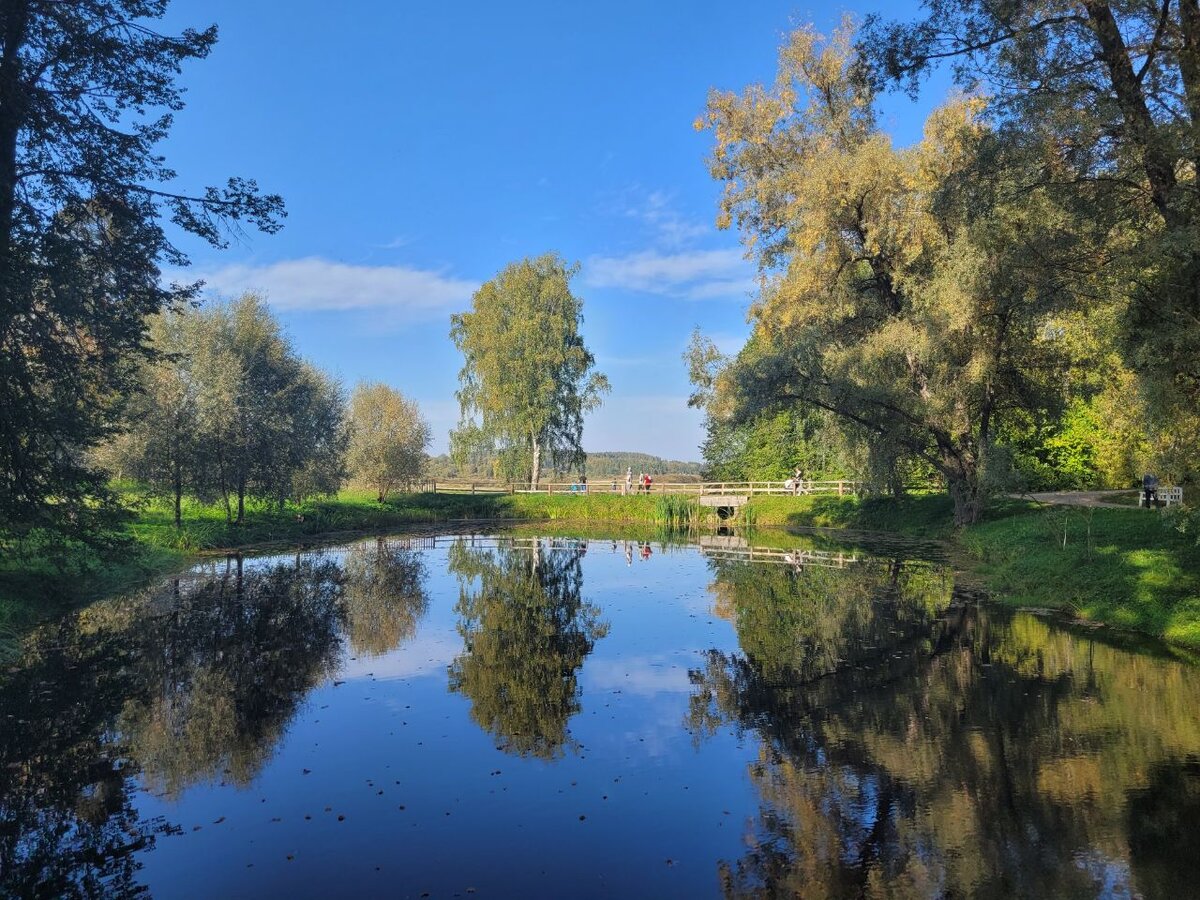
{"x":1169,"y":495}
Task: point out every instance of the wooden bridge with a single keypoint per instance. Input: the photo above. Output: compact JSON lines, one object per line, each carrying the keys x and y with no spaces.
{"x":734,"y":548}
{"x":735,"y":493}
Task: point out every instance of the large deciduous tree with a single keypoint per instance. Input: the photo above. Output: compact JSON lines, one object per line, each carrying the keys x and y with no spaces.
{"x":87,"y":89}
{"x":1106,"y":95}
{"x":163,"y":445}
{"x":388,"y":438}
{"x":905,"y":291}
{"x":527,"y":378}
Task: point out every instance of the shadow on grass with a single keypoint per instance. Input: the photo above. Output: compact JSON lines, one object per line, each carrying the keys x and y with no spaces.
{"x":1125,"y":568}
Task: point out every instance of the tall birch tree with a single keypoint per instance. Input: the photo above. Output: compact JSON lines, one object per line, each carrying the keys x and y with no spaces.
{"x":527,"y":378}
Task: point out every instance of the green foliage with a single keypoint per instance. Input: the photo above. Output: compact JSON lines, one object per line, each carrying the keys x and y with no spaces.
{"x":527,"y":377}
{"x":599,"y":465}
{"x":897,"y":290}
{"x":771,"y":446}
{"x":676,"y":511}
{"x":229,"y":408}
{"x":1124,"y":158}
{"x":388,"y":438}
{"x":801,"y":627}
{"x":90,"y":89}
{"x":383,"y":596}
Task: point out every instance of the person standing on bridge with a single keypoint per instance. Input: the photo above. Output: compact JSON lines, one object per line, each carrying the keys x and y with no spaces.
{"x":628,"y":480}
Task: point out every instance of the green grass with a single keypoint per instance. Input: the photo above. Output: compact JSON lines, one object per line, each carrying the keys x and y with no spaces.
{"x":1120,"y":567}
{"x":41,"y":573}
{"x":921,"y":515}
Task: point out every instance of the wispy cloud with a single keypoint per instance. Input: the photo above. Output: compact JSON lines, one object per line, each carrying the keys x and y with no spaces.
{"x":397,"y":243}
{"x":672,"y":228}
{"x":314,"y":284}
{"x":645,"y":676}
{"x":691,"y":274}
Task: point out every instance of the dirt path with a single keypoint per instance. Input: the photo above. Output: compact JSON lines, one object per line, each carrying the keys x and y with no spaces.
{"x":1079,"y":498}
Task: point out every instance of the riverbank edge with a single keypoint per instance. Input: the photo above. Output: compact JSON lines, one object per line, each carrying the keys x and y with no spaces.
{"x":1123,"y":568}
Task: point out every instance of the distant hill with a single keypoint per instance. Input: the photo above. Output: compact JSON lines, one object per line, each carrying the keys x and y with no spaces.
{"x":615,"y":462}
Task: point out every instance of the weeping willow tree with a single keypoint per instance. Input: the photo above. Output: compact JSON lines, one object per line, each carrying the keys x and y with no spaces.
{"x":915,"y":294}
{"x":1106,"y":98}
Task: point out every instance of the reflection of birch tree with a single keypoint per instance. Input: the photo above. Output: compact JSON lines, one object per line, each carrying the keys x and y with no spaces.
{"x":526,"y":631}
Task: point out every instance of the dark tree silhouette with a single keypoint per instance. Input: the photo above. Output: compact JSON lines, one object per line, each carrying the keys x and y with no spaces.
{"x":87,"y":91}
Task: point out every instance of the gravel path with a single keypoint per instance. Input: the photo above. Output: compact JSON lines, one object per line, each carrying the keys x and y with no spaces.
{"x":1080,"y":498}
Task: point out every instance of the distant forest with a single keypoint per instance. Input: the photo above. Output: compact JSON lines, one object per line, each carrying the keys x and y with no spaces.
{"x":599,"y":465}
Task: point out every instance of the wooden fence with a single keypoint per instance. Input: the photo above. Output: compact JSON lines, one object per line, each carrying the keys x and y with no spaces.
{"x":617,"y":486}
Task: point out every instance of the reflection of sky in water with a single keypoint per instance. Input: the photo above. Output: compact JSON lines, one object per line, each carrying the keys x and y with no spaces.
{"x":824,"y":762}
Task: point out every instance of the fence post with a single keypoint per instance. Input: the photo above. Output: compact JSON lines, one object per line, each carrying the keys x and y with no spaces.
{"x":841,"y":488}
{"x":434,"y":483}
{"x":472,"y":488}
{"x":549,"y":488}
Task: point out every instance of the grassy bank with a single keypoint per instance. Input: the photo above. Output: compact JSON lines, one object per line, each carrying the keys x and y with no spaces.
{"x":1124,"y":567}
{"x":1116,"y":566}
{"x":1120,"y":567}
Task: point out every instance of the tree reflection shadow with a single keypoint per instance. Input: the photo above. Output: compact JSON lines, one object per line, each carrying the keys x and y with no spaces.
{"x":384,"y":595}
{"x":932,"y":749}
{"x":526,"y":632}
{"x":226,"y":668}
{"x":194,"y":681}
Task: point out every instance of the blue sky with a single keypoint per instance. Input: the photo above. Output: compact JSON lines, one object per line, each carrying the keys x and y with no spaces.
{"x":422,"y":146}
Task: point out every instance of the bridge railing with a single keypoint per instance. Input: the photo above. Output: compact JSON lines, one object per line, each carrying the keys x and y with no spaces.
{"x":840,"y":487}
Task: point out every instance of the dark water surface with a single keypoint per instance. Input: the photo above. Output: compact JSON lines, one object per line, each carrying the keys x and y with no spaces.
{"x":512,"y":716}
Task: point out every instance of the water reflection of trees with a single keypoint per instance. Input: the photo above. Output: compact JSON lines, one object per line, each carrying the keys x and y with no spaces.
{"x":226,"y":668}
{"x":796,"y":625}
{"x":384,"y":595}
{"x":192,"y":681}
{"x":976,"y":754}
{"x":526,"y":632}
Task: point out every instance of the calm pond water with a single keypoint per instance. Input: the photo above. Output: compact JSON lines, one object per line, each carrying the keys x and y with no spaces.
{"x":515,"y":716}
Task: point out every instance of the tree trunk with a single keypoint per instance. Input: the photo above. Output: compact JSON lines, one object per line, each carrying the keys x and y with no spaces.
{"x":221,"y":475}
{"x":962,"y":477}
{"x":537,"y":464}
{"x":1142,"y":133}
{"x":178,"y":485}
{"x":241,"y":492}
{"x":13,"y":112}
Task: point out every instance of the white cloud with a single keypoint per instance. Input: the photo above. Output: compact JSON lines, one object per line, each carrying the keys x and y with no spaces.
{"x":397,"y":243}
{"x":314,"y":284}
{"x":691,"y":274}
{"x":426,"y":654}
{"x":645,"y":676}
